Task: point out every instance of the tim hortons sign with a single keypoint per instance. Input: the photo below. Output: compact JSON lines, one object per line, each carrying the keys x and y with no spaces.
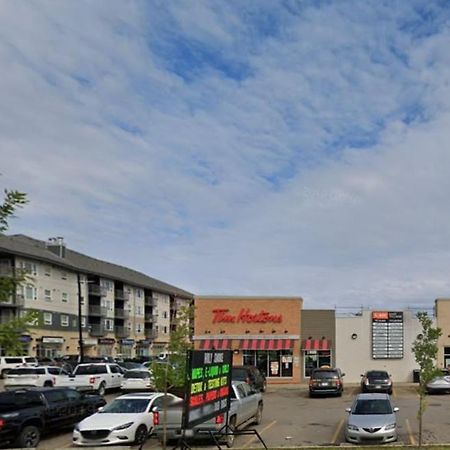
{"x":245,"y":316}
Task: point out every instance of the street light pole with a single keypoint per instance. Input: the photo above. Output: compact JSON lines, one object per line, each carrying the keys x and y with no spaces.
{"x":80,"y":328}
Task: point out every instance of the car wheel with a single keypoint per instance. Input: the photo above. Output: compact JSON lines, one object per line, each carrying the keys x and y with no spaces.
{"x":48,"y":384}
{"x":141,"y":435}
{"x":102,"y":389}
{"x":390,"y":392}
{"x":229,"y":441}
{"x":29,"y":437}
{"x":258,"y":415}
{"x":311,"y":394}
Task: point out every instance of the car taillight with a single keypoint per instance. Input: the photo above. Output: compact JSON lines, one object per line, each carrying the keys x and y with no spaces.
{"x":219,"y":419}
{"x":2,"y":423}
{"x":338,"y":382}
{"x":155,"y":418}
{"x":92,"y":380}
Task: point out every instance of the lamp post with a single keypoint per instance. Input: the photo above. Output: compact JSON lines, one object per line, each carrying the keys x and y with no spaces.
{"x":80,"y":328}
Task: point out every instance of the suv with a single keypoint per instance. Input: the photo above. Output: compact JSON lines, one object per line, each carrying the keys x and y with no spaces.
{"x":251,"y":375}
{"x":326,"y":380}
{"x":376,"y":381}
{"x":11,"y":362}
{"x":41,"y":376}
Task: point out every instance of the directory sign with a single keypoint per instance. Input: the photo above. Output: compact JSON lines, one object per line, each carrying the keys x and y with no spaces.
{"x":387,"y":334}
{"x":208,"y":385}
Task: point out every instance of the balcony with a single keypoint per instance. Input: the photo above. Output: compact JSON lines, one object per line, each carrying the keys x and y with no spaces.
{"x":121,"y":332}
{"x":150,"y":333}
{"x":97,"y":310}
{"x":97,"y":290}
{"x":16,"y":301}
{"x":150,"y":318}
{"x":120,"y":313}
{"x":120,"y":294}
{"x":150,"y":301}
{"x":97,"y":330}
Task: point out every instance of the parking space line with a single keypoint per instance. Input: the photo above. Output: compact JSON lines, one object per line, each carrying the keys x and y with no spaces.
{"x":337,"y":432}
{"x":410,"y":434}
{"x":260,"y":432}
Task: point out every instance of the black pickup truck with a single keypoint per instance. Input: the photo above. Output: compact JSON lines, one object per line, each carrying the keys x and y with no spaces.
{"x":26,"y":414}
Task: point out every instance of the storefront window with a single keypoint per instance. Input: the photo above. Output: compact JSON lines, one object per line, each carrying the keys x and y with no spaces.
{"x":447,"y":357}
{"x":273,"y":363}
{"x":314,"y":359}
{"x":104,"y":350}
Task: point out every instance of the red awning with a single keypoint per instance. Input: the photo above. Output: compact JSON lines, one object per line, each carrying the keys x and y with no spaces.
{"x":316,"y":344}
{"x":266,"y":344}
{"x":215,"y":344}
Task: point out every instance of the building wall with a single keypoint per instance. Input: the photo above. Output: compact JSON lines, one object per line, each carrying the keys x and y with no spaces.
{"x":290,"y":310}
{"x":354,"y":356}
{"x":442,"y":310}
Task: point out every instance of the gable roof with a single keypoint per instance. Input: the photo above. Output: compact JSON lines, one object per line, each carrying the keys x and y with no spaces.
{"x":28,"y":247}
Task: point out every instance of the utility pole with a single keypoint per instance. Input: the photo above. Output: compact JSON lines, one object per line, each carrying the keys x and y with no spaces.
{"x":80,"y":328}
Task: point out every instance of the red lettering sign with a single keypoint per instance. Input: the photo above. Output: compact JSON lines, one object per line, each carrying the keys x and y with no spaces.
{"x":245,"y":316}
{"x":211,"y":395}
{"x":196,"y":400}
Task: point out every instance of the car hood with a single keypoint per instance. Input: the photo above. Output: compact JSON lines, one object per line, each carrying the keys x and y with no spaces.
{"x":106,"y":421}
{"x":371,"y":420}
{"x":441,"y":381}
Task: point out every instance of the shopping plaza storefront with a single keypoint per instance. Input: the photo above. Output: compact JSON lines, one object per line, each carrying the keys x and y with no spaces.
{"x":261,"y":331}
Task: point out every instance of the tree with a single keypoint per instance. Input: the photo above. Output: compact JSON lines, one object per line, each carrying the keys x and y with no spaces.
{"x":425,"y":350}
{"x":10,"y":280}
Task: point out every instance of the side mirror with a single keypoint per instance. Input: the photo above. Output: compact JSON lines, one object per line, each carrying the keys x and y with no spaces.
{"x":343,"y":375}
{"x":154,"y":409}
{"x":396,"y":409}
{"x":100,"y":409}
{"x":361,"y":375}
{"x":348,"y":410}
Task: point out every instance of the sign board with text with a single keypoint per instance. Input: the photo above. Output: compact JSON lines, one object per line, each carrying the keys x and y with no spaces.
{"x":208,"y":385}
{"x":387,"y":335}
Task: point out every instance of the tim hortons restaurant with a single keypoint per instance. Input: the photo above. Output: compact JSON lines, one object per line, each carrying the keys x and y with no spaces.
{"x":262,"y":332}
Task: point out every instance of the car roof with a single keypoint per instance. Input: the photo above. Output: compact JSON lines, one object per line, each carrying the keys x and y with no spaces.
{"x":373,"y":396}
{"x":376,"y":370}
{"x":327,"y":369}
{"x":38,"y":367}
{"x":148,"y":395}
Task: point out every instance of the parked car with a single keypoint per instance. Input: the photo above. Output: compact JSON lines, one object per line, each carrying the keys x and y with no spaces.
{"x":40,"y":376}
{"x":246,"y":407}
{"x":326,"y":380}
{"x":440,"y":384}
{"x":26,"y":414}
{"x":371,"y":419}
{"x":131,"y":365}
{"x":251,"y":375}
{"x":137,"y":380}
{"x":376,"y":381}
{"x":11,"y":362}
{"x":127,"y":419}
{"x":97,"y":377}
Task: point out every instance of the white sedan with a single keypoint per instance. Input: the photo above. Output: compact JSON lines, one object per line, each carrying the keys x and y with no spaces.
{"x":127,"y":419}
{"x":41,"y":376}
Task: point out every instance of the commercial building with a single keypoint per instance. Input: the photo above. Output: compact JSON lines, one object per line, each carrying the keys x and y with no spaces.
{"x":261,"y":331}
{"x":123,"y":312}
{"x":442,"y":312}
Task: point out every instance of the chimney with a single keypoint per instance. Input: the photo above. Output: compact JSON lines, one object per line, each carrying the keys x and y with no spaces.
{"x":57,"y":246}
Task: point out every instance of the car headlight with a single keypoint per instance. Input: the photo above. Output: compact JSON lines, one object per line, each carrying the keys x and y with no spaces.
{"x":352,"y":427}
{"x":391,"y":426}
{"x":366,"y":382}
{"x":123,"y":427}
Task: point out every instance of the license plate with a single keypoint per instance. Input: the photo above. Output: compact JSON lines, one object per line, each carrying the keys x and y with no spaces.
{"x":324,"y":384}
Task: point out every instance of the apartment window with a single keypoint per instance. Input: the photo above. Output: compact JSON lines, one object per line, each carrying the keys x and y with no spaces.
{"x":165,"y":315}
{"x":165,"y":330}
{"x":63,"y":275}
{"x":82,"y":300}
{"x":83,"y":322}
{"x":139,"y":310}
{"x":109,"y":324}
{"x":48,"y":271}
{"x":30,"y":268}
{"x":109,"y":305}
{"x":30,"y":292}
{"x":138,"y":328}
{"x":64,"y":320}
{"x":64,"y":297}
{"x":48,"y":319}
{"x":47,"y":295}
{"x":139,"y":293}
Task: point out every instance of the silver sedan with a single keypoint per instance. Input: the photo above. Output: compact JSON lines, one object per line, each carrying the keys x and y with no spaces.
{"x":439,"y":385}
{"x":371,"y":419}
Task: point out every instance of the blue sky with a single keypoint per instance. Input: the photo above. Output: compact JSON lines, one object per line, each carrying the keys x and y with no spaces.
{"x":258,"y":147}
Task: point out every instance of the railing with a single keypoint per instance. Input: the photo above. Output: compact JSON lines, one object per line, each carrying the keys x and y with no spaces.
{"x":121,"y":332}
{"x":150,"y":301}
{"x":150,"y":333}
{"x":120,"y":313}
{"x":96,"y":289}
{"x":150,"y":317}
{"x":97,"y":330}
{"x":120,"y":294}
{"x":97,"y":310}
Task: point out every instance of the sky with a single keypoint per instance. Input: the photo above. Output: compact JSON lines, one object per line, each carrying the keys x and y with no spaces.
{"x":295,"y":148}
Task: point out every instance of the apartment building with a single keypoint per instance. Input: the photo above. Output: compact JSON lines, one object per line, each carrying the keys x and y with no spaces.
{"x":123,"y":312}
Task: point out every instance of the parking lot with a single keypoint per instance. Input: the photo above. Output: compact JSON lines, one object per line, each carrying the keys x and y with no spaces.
{"x":291,"y":419}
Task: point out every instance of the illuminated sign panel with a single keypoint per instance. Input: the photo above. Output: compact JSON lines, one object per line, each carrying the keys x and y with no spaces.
{"x":208,"y":385}
{"x":387,"y":335}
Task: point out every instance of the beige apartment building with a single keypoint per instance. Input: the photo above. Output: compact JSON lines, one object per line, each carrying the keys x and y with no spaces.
{"x":442,"y":312}
{"x":123,"y":312}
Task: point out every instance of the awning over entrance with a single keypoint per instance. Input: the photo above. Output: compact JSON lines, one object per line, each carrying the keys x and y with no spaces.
{"x":215,"y":344}
{"x":316,"y":344}
{"x":266,"y":344}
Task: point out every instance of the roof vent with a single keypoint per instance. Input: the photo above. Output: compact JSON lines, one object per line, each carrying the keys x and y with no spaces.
{"x":57,"y":246}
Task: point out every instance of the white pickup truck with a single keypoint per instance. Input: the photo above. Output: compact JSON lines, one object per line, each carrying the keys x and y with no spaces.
{"x":94,"y":377}
{"x":246,"y":407}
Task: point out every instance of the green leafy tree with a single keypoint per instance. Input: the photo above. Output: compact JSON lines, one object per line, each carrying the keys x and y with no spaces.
{"x":10,"y":280}
{"x":425,"y":350}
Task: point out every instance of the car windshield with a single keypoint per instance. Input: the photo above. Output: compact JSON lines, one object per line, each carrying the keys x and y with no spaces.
{"x":325,"y":374}
{"x":377,"y":374}
{"x":141,"y":374}
{"x":23,"y":371}
{"x":126,"y":406}
{"x":375,"y":406}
